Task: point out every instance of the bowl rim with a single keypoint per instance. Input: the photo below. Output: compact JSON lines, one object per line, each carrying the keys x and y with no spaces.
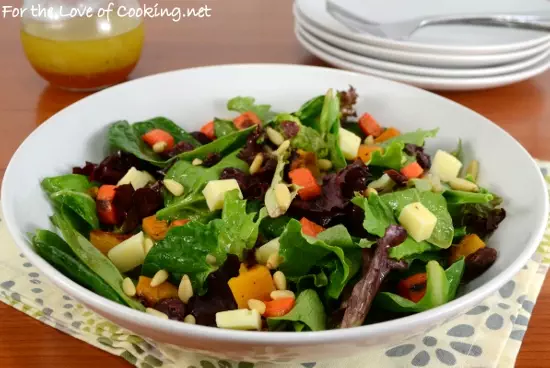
{"x":400,"y":325}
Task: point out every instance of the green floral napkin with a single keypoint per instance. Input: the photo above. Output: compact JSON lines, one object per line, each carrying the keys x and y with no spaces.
{"x":489,"y":335}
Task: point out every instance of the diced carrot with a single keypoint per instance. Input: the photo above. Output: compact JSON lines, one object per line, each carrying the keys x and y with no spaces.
{"x":413,"y":287}
{"x":305,"y":179}
{"x":180,"y":222}
{"x":208,"y":130}
{"x":158,"y":135}
{"x":106,"y":193}
{"x":155,"y":228}
{"x":310,"y":228}
{"x":365,"y":152}
{"x":278,"y":307}
{"x":370,"y":126}
{"x":387,"y":134}
{"x":412,"y":170}
{"x":104,"y":204}
{"x":246,"y":119}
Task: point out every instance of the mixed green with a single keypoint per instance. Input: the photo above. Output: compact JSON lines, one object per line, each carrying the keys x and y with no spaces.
{"x":279,"y":221}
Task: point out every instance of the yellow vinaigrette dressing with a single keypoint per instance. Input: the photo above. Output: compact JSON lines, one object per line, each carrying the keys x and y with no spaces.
{"x":84,"y":53}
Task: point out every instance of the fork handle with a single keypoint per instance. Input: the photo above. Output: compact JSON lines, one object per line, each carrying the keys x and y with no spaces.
{"x":528,"y":21}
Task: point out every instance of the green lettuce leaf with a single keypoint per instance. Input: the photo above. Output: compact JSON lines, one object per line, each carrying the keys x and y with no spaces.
{"x":243,"y":104}
{"x":455,"y":197}
{"x":441,"y":288}
{"x":417,"y":137}
{"x":308,"y":310}
{"x":310,"y":281}
{"x":310,"y":112}
{"x":308,"y":139}
{"x":378,"y":215}
{"x":409,"y":248}
{"x":238,"y":229}
{"x":184,"y":251}
{"x":393,"y":156}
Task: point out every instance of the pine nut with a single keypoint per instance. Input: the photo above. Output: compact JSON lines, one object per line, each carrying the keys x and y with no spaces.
{"x":254,"y":304}
{"x":279,"y":279}
{"x":128,"y":287}
{"x":282,"y":148}
{"x":370,"y":191}
{"x":324,"y":164}
{"x":185,"y":290}
{"x":197,"y":162}
{"x":173,"y":187}
{"x":274,"y":136}
{"x":211,"y":260}
{"x":280,"y":294}
{"x":160,"y":277}
{"x":156,"y":313}
{"x":190,"y":319}
{"x":282,"y":195}
{"x":369,"y":141}
{"x":148,"y":244}
{"x":273,"y":261}
{"x":160,"y":146}
{"x":256,"y":164}
{"x":463,"y":184}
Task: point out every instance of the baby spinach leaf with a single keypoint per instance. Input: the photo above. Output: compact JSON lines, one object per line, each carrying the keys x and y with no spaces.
{"x":378,"y":215}
{"x":93,"y":258}
{"x":410,"y":247}
{"x":71,"y":193}
{"x":192,"y":204}
{"x":223,"y":127}
{"x":310,"y":112}
{"x":238,"y":230}
{"x":57,"y":252}
{"x":183,"y":252}
{"x":179,"y":134}
{"x":393,"y":156}
{"x":442,"y":235}
{"x":308,"y":310}
{"x":440,"y":289}
{"x":273,"y":227}
{"x":245,"y":104}
{"x":417,"y":137}
{"x":122,"y":136}
{"x":330,"y":114}
{"x":222,"y":145}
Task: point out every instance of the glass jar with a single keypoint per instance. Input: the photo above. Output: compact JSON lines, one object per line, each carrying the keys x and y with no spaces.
{"x":82,"y":44}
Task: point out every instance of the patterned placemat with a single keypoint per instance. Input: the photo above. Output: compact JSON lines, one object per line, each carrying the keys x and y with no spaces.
{"x":489,"y":335}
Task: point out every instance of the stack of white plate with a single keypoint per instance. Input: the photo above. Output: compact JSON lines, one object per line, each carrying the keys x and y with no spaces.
{"x":443,"y":57}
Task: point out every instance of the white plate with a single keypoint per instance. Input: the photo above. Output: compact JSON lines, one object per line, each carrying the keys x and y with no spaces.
{"x":420,"y":58}
{"x":427,"y":71}
{"x":332,"y":56}
{"x":449,"y":39}
{"x":191,"y":97}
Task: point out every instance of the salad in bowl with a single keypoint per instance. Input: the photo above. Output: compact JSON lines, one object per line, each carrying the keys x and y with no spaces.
{"x":321,"y":218}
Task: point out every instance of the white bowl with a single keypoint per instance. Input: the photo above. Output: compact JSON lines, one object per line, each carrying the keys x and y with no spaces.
{"x":191,"y":97}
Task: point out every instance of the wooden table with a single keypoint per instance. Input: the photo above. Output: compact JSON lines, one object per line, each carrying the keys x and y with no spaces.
{"x":239,"y":31}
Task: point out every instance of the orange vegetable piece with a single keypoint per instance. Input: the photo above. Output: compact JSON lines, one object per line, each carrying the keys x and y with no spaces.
{"x":413,"y":287}
{"x":310,"y":228}
{"x":365,"y":152}
{"x":304,"y":178}
{"x":256,"y":283}
{"x":469,"y":244}
{"x":153,"y":295}
{"x":279,"y":307}
{"x":387,"y":134}
{"x":246,"y":119}
{"x":104,"y":202}
{"x":158,"y":135}
{"x":412,"y":170}
{"x":243,"y":269}
{"x":180,"y":222}
{"x":208,"y":130}
{"x":370,"y":126}
{"x":155,"y":228}
{"x":105,"y":241}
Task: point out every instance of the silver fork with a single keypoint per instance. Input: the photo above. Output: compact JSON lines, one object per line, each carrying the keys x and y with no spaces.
{"x":404,"y":29}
